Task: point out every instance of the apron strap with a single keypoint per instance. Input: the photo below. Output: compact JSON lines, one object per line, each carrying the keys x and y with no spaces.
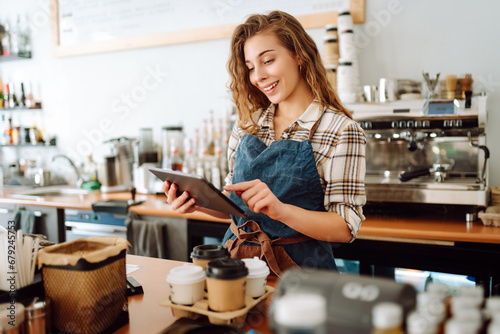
{"x":258,"y":236}
{"x":315,"y":126}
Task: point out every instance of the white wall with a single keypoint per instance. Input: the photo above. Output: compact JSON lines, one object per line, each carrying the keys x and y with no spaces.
{"x":403,"y":38}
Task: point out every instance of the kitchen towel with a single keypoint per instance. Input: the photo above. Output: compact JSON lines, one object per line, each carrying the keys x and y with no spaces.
{"x":25,"y":221}
{"x":148,"y":237}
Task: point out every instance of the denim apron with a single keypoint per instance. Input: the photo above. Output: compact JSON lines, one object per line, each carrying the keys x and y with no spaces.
{"x":289,"y":169}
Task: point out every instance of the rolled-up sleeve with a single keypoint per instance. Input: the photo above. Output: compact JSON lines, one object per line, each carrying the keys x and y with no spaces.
{"x":344,"y":173}
{"x":232,"y":146}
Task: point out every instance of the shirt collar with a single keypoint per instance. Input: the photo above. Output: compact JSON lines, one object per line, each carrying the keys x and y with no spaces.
{"x":306,"y":120}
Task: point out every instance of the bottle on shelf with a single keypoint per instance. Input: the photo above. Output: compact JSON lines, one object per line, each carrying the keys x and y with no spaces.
{"x":189,"y":158}
{"x":175,"y":157}
{"x":1,"y":93}
{"x":34,"y":135}
{"x":12,"y":95}
{"x":10,"y":133}
{"x":200,"y":170}
{"x":30,"y":101}
{"x":22,"y":101}
{"x":6,"y":39}
{"x":25,"y":38}
{"x":14,"y":37}
{"x":4,"y":135}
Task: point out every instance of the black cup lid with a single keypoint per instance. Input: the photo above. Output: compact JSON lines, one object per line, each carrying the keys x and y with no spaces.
{"x":209,"y":252}
{"x":226,"y":269}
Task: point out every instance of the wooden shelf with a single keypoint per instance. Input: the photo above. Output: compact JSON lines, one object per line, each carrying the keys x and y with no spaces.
{"x":23,"y":109}
{"x":13,"y":57}
{"x":28,"y":145}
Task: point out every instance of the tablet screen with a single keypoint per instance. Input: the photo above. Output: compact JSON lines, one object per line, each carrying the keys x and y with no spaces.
{"x":205,"y":193}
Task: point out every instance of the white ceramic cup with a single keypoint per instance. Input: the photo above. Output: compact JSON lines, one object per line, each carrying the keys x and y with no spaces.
{"x":187,"y":284}
{"x":257,"y":276}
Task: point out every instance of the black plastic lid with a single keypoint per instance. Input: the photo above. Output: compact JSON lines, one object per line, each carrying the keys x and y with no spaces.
{"x":226,"y":269}
{"x":345,"y":13}
{"x":209,"y":252}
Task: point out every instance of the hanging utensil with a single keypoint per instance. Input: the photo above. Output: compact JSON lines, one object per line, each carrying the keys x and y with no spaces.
{"x":481,"y":178}
{"x":439,"y":170}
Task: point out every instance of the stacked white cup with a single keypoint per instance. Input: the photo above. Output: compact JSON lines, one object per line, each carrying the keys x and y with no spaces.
{"x":348,"y":81}
{"x":187,"y":284}
{"x":257,"y":276}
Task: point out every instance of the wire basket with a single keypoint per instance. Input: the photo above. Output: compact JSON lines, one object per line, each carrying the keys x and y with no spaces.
{"x":88,"y":295}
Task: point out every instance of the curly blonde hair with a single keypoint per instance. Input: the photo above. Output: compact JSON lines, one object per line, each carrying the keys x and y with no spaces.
{"x":292,"y":36}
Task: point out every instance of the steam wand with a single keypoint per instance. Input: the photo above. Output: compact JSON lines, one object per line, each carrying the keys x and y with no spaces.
{"x":486,"y":156}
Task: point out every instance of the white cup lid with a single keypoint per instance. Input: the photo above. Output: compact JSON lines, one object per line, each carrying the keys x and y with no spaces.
{"x":387,"y":315}
{"x":256,"y":268}
{"x":300,"y":309}
{"x":186,"y":274}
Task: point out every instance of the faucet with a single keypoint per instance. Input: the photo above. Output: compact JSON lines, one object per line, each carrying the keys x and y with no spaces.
{"x":79,"y":178}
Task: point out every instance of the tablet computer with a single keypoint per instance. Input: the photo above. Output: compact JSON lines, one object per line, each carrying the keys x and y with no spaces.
{"x":205,"y":193}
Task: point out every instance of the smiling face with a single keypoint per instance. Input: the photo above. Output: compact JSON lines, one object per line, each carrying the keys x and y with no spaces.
{"x":273,"y":69}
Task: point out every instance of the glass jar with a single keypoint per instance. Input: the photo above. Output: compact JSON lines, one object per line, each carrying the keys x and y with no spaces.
{"x":171,"y":134}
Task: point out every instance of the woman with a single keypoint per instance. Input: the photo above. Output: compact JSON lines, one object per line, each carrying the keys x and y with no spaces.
{"x":296,"y":157}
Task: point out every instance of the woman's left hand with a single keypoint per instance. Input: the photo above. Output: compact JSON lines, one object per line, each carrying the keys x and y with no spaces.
{"x":258,"y":198}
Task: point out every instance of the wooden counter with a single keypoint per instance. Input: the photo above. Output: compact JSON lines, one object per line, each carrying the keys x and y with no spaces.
{"x":431,"y":229}
{"x":154,"y":205}
{"x":426,"y":242}
{"x":374,"y":228}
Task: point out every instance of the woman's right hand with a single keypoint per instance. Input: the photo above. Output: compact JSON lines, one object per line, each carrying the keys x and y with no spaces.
{"x":183,"y":203}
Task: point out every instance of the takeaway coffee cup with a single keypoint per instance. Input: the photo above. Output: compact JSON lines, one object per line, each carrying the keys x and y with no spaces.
{"x":203,"y":254}
{"x":187,"y":284}
{"x":257,"y":277}
{"x":226,"y":279}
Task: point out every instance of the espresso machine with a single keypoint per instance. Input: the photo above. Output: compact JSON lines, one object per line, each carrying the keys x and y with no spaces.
{"x":426,"y":154}
{"x":115,"y":165}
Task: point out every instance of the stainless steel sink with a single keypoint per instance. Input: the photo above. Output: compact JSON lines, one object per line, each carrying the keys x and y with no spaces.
{"x":51,"y":191}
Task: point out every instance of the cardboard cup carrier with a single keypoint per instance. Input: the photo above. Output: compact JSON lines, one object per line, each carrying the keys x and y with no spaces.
{"x":86,"y":281}
{"x":226,"y":280}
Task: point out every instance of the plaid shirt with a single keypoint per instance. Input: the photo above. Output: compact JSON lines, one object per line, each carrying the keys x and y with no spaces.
{"x":339,"y":150}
